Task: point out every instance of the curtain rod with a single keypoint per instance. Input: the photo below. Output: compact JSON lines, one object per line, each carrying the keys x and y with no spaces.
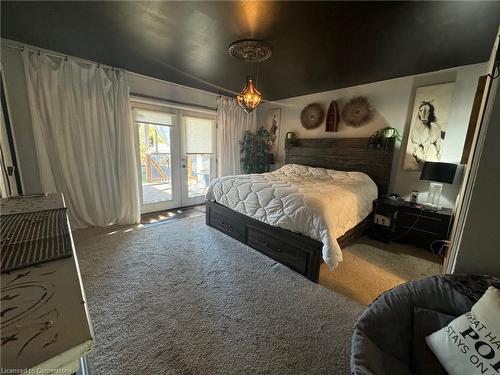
{"x":66,"y":57}
{"x":177,"y":102}
{"x":38,"y":51}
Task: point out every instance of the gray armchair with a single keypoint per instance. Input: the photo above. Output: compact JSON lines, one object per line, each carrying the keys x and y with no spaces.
{"x":389,"y":337}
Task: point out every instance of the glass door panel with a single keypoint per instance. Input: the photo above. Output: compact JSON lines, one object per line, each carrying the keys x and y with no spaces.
{"x":159,"y":177}
{"x":198,"y":171}
{"x":198,"y":157}
{"x":156,"y":166}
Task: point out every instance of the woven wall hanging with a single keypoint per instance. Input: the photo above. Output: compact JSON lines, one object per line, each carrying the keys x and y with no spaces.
{"x":312,"y":116}
{"x":357,"y":112}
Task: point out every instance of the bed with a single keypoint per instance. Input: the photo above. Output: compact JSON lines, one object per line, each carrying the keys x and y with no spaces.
{"x":306,"y":211}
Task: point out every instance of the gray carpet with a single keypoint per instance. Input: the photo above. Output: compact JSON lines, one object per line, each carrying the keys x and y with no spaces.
{"x":182,"y":298}
{"x":371,"y":267}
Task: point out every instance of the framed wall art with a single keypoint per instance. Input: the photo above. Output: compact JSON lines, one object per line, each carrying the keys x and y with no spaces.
{"x":429,"y":122}
{"x":273,"y":124}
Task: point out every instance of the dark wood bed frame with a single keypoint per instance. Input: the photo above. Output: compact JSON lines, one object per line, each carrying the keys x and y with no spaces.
{"x":294,"y":250}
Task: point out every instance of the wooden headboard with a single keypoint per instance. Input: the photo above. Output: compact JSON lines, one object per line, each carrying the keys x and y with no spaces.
{"x":343,"y":154}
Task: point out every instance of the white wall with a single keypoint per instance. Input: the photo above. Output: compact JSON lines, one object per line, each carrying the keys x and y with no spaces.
{"x":393,"y":101}
{"x":19,"y":111}
{"x":143,"y":85}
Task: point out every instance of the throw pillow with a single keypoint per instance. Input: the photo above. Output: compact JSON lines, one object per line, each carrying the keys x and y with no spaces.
{"x":470,"y":344}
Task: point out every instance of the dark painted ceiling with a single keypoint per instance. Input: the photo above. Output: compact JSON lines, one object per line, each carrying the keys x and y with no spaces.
{"x":317,"y":45}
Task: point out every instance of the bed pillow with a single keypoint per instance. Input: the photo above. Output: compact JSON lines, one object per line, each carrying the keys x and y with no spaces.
{"x":470,"y":344}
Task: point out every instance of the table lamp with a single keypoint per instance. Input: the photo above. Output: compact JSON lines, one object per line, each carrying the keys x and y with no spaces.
{"x":438,"y":173}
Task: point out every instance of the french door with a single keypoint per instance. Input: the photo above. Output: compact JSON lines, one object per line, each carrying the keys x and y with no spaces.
{"x":197,"y":156}
{"x":176,"y":155}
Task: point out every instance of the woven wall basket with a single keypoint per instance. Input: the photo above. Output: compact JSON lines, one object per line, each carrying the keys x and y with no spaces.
{"x":357,"y":112}
{"x":312,"y":116}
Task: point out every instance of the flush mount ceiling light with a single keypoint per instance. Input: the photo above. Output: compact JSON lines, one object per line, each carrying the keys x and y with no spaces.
{"x":250,"y":51}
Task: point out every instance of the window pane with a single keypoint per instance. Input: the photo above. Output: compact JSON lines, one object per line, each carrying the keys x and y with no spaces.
{"x":198,"y":167}
{"x":198,"y":135}
{"x":156,"y":169}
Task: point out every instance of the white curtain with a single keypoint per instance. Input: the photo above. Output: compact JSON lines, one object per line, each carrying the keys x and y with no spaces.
{"x":84,"y":138}
{"x":232,"y":121}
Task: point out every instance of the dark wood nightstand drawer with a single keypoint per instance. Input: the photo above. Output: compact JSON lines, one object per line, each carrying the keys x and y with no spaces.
{"x":225,"y":224}
{"x":422,"y":239}
{"x":276,"y":248}
{"x":412,"y":224}
{"x":423,"y":222}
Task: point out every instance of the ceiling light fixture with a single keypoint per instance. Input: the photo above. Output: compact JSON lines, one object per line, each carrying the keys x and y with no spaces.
{"x":250,"y":51}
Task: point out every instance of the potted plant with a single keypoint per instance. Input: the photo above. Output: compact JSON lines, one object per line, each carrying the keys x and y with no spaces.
{"x":254,"y":151}
{"x":384,"y":138}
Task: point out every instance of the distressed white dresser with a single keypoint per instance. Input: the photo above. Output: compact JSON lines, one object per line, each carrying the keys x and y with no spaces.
{"x":45,"y":325}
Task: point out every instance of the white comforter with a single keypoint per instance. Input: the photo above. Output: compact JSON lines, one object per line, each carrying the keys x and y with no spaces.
{"x":319,"y":203}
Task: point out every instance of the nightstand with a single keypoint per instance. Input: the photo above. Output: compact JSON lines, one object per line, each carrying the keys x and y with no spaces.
{"x":401,"y":221}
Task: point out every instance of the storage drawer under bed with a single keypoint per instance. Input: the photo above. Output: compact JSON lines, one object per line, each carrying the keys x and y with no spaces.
{"x":227,"y":224}
{"x":282,"y":251}
{"x":298,"y":252}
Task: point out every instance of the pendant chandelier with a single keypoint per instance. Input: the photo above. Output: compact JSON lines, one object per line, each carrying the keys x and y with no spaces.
{"x":251,"y":51}
{"x":250,"y":97}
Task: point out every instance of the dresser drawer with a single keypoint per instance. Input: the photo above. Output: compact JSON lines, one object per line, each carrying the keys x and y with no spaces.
{"x":423,"y":239}
{"x":276,"y":248}
{"x":228,"y":225}
{"x":426,"y":223}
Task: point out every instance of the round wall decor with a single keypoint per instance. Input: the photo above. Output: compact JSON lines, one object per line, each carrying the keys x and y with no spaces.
{"x":312,"y":116}
{"x":357,"y":111}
